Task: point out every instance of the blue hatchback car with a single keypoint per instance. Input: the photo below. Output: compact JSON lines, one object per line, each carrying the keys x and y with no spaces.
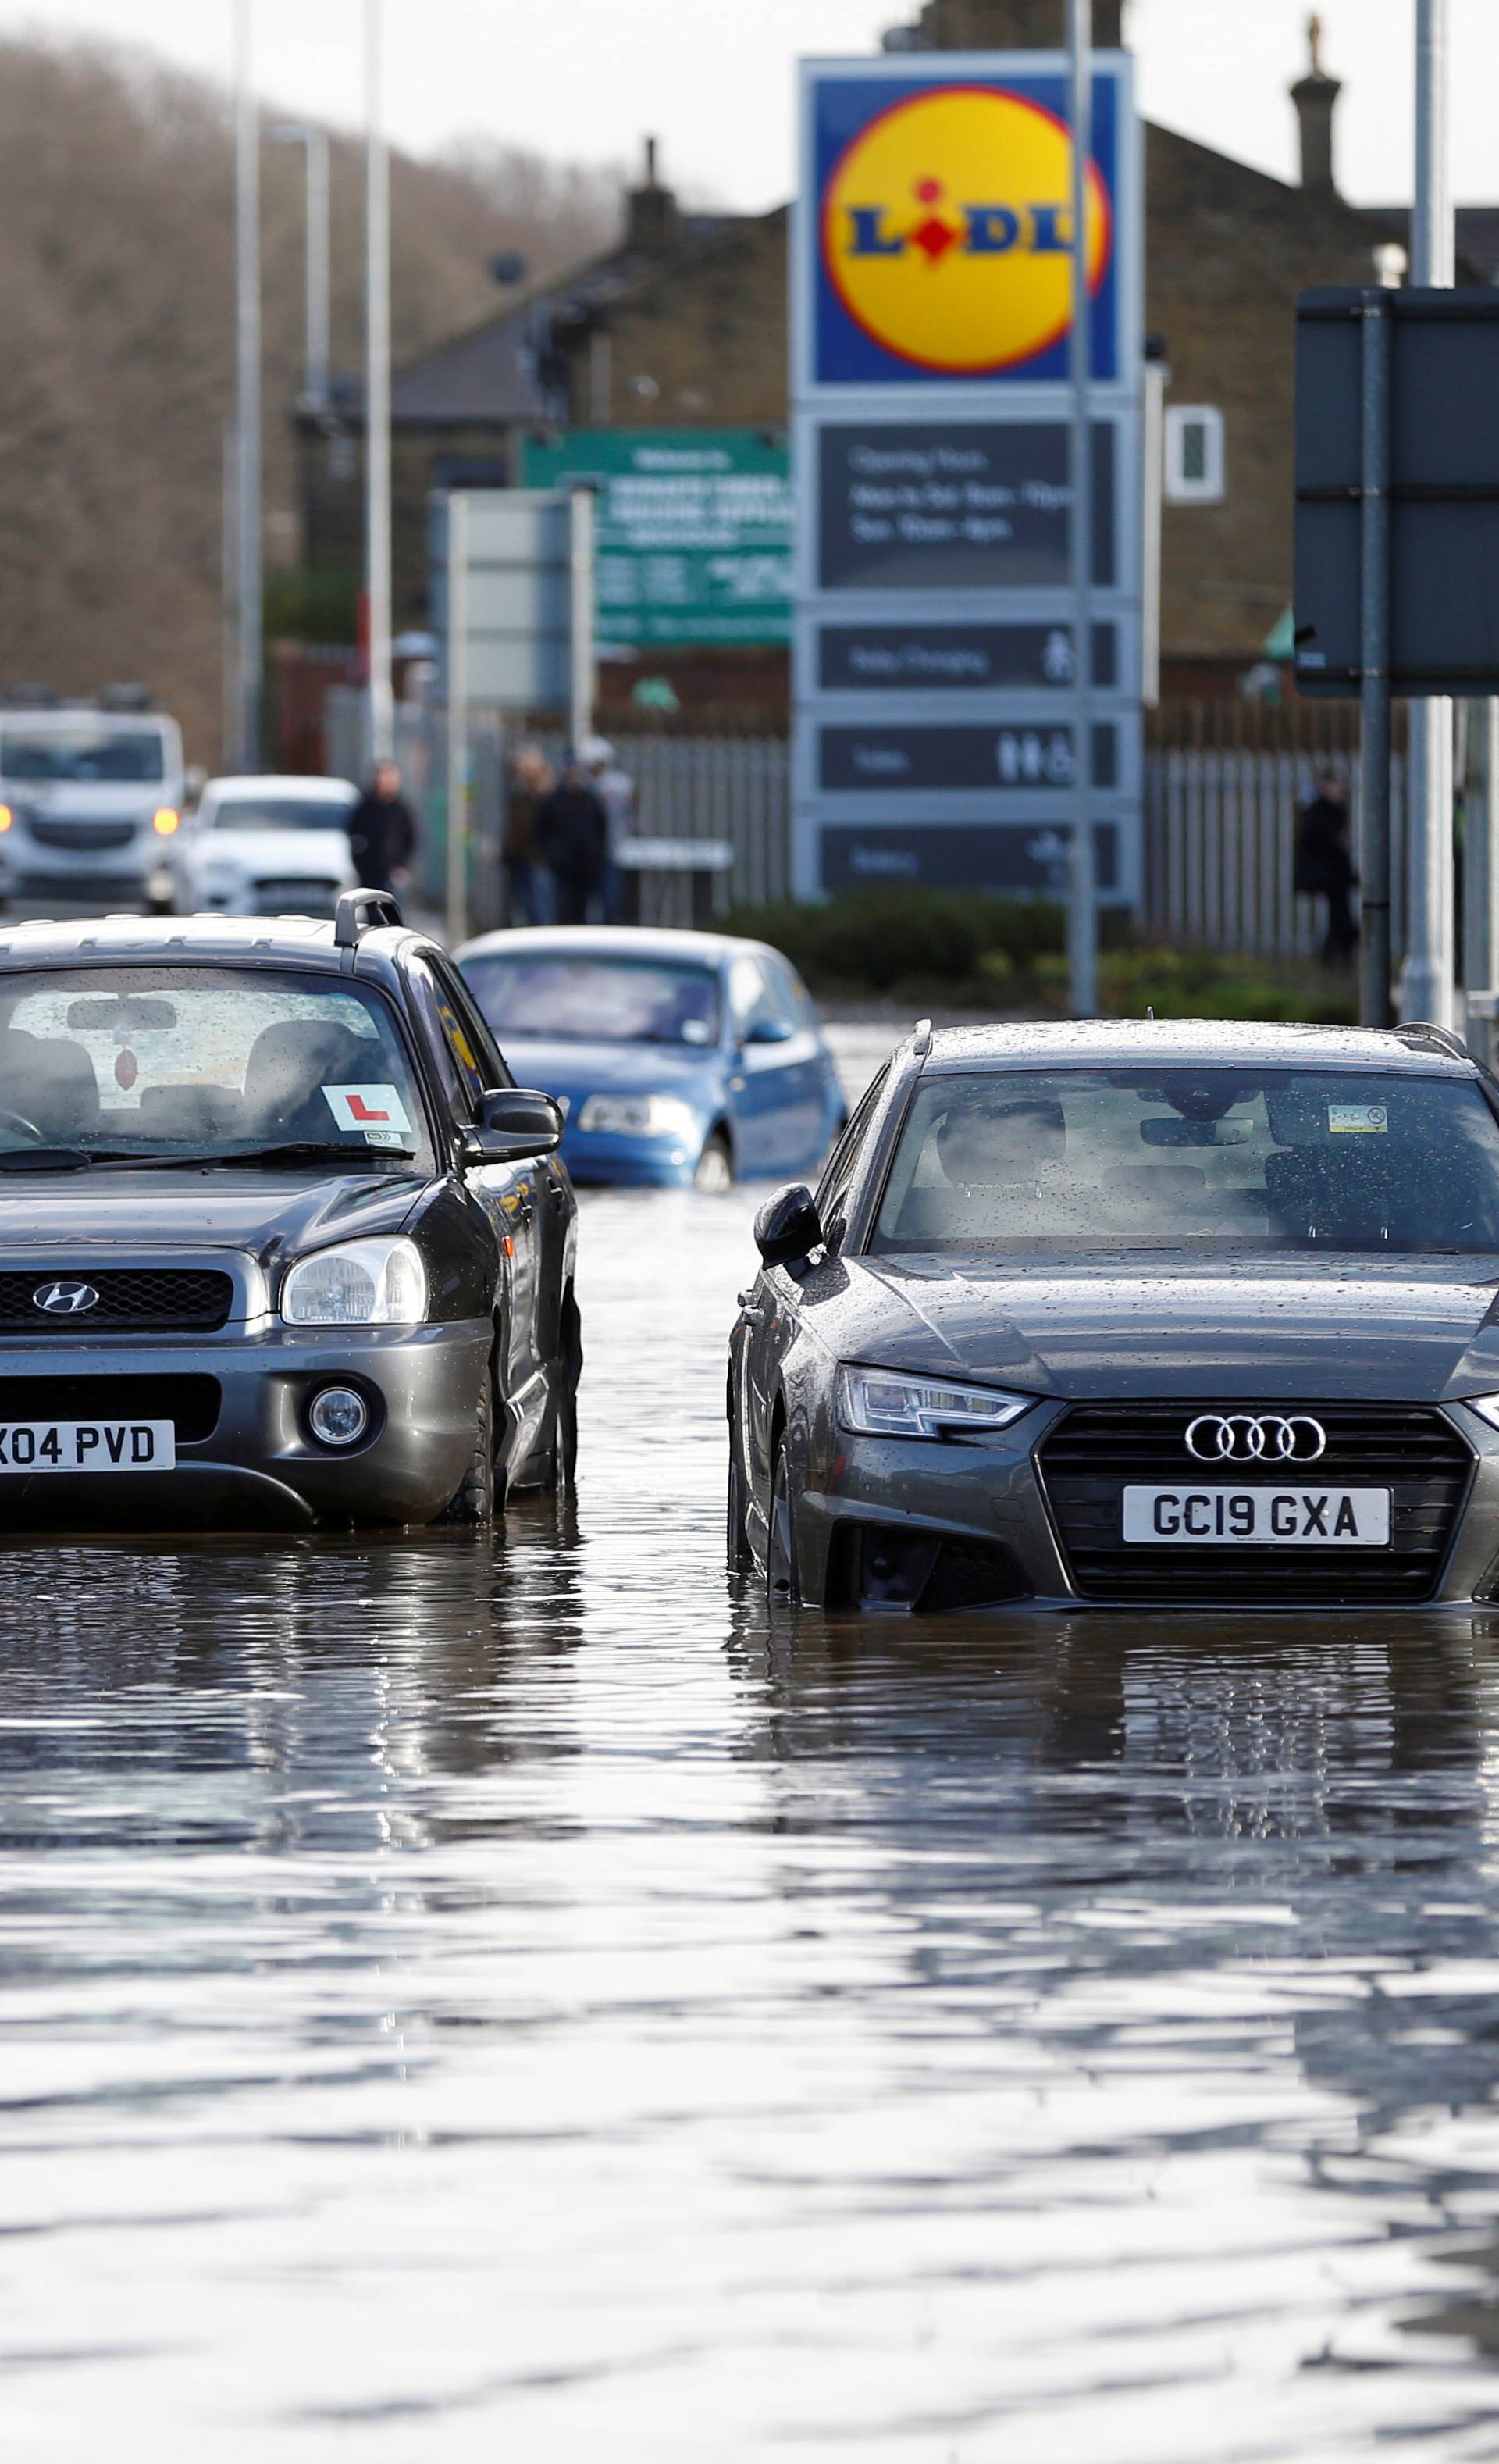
{"x":682,"y":1059}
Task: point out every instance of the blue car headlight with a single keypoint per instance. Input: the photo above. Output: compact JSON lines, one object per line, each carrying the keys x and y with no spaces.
{"x":639,"y":1116}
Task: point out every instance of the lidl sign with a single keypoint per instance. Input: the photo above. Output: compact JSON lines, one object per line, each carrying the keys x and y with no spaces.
{"x":939,"y":225}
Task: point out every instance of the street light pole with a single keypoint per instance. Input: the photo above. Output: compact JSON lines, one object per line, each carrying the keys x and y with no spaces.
{"x":1082,"y":916}
{"x":249,"y":591}
{"x":377,"y":396}
{"x":313,"y":141}
{"x":1427,"y":990}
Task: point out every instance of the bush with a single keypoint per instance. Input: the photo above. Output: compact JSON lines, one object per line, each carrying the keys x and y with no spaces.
{"x":878,"y":940}
{"x":972,"y":952}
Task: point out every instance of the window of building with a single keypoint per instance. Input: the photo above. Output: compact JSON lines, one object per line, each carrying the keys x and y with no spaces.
{"x":1194,"y":455}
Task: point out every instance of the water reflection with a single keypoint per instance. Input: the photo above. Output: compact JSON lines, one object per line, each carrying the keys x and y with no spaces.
{"x":471,"y":2000}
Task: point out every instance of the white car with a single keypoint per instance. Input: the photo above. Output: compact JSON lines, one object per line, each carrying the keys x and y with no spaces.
{"x":274,"y":845}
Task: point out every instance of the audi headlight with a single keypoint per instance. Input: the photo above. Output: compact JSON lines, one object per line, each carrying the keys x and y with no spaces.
{"x":877,"y":1403}
{"x":365,"y":1282}
{"x":639,"y":1116}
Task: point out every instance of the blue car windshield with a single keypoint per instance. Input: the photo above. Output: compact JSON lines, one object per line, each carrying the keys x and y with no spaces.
{"x":560,"y":997}
{"x":1369,"y":1161}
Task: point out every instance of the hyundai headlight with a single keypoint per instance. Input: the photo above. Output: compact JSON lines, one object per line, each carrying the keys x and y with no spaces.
{"x":363,"y":1283}
{"x":877,"y":1403}
{"x":639,"y":1116}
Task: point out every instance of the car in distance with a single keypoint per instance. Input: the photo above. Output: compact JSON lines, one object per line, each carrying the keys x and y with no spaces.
{"x":281,"y":1243}
{"x":271,"y":845}
{"x":1133,"y":1315}
{"x":90,"y":796}
{"x":678,"y":1057}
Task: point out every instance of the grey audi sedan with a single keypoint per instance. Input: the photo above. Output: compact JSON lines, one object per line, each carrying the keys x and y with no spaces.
{"x":1133,"y":1314}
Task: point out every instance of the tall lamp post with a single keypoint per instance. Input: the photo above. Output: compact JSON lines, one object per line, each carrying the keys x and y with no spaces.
{"x":377,"y":396}
{"x":1427,"y":988}
{"x":247,"y":582}
{"x":313,"y":141}
{"x":1082,"y":915}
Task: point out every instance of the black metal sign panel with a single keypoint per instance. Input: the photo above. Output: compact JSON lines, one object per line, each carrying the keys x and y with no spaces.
{"x":960,"y":658}
{"x":961,"y":506}
{"x":1014,"y":856}
{"x":1030,"y":757}
{"x":1443,"y":491}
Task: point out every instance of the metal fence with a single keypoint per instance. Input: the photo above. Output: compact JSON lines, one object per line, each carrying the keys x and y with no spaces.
{"x":1220,"y":843}
{"x":736,"y":788}
{"x":1220,"y":820}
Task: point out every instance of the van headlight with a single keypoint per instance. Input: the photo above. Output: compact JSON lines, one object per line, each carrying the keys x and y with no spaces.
{"x":639,"y":1116}
{"x":363,"y":1282}
{"x":879,"y":1403}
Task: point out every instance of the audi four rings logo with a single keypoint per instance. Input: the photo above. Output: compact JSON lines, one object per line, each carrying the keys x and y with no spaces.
{"x":1248,"y":1437}
{"x":65,"y":1300}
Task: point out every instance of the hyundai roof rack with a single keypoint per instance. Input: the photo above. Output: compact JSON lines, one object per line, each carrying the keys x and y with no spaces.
{"x":362,"y":910}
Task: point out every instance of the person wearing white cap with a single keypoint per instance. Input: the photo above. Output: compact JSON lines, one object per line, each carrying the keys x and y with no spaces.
{"x":614,"y":789}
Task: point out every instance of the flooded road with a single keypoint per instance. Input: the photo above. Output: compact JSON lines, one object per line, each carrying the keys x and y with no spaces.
{"x":463,"y":2000}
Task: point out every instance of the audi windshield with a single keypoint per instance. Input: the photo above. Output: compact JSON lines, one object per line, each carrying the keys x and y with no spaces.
{"x":1372,"y":1162}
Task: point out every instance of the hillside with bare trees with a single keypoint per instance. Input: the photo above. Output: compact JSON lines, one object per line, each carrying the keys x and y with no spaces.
{"x":117,"y":361}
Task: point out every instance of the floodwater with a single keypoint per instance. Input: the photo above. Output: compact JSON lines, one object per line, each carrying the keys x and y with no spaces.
{"x":463,"y":2001}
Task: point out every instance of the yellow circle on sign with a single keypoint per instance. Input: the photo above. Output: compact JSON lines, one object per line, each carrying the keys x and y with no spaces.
{"x":947,"y":230}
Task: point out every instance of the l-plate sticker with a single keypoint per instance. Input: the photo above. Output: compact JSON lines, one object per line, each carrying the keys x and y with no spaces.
{"x":378,"y":1112}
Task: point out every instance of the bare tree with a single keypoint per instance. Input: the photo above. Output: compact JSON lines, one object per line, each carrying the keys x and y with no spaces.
{"x":116,"y":303}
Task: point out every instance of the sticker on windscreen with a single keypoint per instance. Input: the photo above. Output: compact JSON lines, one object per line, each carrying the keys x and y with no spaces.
{"x":1362,"y":1119}
{"x":376,"y":1112}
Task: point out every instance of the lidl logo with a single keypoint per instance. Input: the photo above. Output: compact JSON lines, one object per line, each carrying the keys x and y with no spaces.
{"x":947,"y":230}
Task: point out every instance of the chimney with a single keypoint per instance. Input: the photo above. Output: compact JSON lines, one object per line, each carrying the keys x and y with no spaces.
{"x":1315,"y":96}
{"x":1008,"y":26}
{"x":652,"y":222}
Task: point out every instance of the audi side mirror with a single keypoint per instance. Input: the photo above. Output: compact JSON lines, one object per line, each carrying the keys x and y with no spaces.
{"x":516,"y":1125}
{"x":787,"y":1228}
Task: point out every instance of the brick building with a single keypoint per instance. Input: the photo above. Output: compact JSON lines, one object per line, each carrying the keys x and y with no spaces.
{"x":686,"y":321}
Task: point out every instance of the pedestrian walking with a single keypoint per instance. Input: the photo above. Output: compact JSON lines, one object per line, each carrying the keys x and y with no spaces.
{"x":382,"y":831}
{"x":531,"y":779}
{"x":1324,"y":866}
{"x":614,"y":789}
{"x":572,"y":838}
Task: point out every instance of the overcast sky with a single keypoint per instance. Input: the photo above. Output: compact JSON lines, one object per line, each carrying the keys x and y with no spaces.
{"x":712,"y":77}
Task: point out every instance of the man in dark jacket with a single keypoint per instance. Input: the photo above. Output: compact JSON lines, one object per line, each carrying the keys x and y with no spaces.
{"x":382,"y":831}
{"x":572,"y":838}
{"x":1325,"y":865}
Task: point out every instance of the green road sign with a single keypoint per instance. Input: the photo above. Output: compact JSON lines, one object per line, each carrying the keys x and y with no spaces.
{"x":694,"y":536}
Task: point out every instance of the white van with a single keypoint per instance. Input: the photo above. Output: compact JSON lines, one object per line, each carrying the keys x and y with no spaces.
{"x":89,"y":798}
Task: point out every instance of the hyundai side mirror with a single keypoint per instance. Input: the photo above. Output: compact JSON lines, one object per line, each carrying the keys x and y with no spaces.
{"x":787,"y":1228}
{"x":516,"y":1125}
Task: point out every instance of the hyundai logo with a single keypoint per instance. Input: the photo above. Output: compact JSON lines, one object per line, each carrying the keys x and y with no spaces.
{"x":1246,"y":1437}
{"x":65,"y":1300}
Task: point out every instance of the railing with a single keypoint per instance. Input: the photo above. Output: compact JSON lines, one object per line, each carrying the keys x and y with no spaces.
{"x":1220,"y":848}
{"x":1220,"y":817}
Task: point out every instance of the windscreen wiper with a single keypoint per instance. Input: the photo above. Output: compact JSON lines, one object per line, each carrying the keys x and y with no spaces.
{"x":312,"y":1150}
{"x":44,"y":1160}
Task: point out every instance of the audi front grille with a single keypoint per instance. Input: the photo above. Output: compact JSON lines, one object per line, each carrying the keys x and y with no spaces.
{"x":1095,"y":1450}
